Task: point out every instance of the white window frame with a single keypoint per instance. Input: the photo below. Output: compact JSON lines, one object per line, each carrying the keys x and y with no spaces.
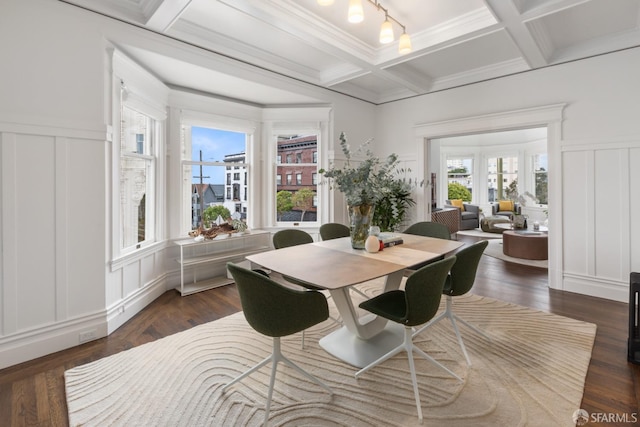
{"x":135,"y":87}
{"x":290,"y":121}
{"x":190,"y":119}
{"x":533,"y":174}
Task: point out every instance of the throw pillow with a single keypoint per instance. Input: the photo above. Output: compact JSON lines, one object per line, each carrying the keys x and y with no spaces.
{"x":505,"y":205}
{"x":458,"y":203}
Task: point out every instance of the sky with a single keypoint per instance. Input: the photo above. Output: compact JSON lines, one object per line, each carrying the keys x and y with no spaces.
{"x":215,"y":144}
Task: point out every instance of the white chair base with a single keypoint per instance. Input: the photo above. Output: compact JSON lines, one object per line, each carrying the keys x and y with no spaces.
{"x":409,"y":348}
{"x":275,"y":357}
{"x":448,"y":313}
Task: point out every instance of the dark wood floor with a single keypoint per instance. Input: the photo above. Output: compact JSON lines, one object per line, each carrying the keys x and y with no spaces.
{"x":32,"y":393}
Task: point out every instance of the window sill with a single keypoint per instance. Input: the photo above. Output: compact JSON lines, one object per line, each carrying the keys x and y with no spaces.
{"x":137,"y":255}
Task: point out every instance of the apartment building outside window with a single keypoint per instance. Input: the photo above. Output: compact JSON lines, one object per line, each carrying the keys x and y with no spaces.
{"x":297,"y":200}
{"x":214,"y":169}
{"x":138,"y":142}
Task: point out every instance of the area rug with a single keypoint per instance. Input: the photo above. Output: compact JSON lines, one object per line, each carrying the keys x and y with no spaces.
{"x":531,"y":373}
{"x":479,"y":233}
{"x":494,"y":249}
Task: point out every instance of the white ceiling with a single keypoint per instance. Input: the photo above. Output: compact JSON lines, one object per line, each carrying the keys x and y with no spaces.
{"x":455,"y":42}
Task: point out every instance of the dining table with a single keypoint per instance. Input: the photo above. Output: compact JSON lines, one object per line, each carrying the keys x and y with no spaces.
{"x":336,"y":266}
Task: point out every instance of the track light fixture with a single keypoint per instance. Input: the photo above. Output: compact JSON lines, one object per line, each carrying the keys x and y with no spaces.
{"x":355,"y":14}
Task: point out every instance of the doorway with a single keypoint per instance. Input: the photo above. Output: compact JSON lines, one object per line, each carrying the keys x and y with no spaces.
{"x":549,"y":117}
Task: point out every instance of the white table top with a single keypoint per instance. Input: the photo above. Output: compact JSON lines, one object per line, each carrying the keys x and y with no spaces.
{"x":334,"y":264}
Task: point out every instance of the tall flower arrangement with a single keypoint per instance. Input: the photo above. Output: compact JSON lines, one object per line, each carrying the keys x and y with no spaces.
{"x":361,"y":184}
{"x":371,"y":182}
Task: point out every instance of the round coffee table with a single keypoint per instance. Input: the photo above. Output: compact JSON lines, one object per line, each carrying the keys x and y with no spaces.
{"x":525,"y":244}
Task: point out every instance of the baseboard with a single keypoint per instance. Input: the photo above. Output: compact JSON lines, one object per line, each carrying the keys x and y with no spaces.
{"x":25,"y":346}
{"x":119,"y":313}
{"x":29,"y":345}
{"x":607,"y":289}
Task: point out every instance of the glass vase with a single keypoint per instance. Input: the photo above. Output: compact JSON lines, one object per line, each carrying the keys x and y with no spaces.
{"x":360,"y":217}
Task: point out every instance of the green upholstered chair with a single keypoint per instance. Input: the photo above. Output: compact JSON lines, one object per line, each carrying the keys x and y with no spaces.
{"x":293,"y":237}
{"x":429,"y":229}
{"x":415,"y":305}
{"x":290,"y":237}
{"x":276,"y":311}
{"x":334,"y":230}
{"x":459,"y":282}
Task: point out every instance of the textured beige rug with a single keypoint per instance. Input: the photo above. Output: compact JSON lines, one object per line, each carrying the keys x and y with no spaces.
{"x":479,"y":233}
{"x":531,"y":373}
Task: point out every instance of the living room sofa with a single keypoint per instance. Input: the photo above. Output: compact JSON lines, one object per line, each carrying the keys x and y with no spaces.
{"x":508,"y":209}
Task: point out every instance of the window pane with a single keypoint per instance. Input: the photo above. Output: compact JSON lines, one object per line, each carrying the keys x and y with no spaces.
{"x":136,"y":177}
{"x":503,"y":178}
{"x":133,"y":188}
{"x":540,"y":168}
{"x":296,"y":199}
{"x":136,"y":131}
{"x":460,"y":178}
{"x":218,"y":181}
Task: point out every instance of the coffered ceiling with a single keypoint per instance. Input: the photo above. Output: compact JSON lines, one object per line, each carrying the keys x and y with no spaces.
{"x":253,"y":46}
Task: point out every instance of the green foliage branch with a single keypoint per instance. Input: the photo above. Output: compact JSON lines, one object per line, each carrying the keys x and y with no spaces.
{"x":361,"y":184}
{"x":457,"y":191}
{"x":211,"y":213}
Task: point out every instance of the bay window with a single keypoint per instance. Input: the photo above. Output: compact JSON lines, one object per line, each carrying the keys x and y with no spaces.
{"x":214,"y":174}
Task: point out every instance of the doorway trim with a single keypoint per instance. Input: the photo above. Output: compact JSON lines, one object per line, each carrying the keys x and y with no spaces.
{"x":549,"y":116}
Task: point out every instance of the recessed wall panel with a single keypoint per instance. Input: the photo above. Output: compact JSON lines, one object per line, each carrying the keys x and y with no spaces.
{"x":34,"y":208}
{"x":84,"y":225}
{"x":575,"y":191}
{"x":611,"y":201}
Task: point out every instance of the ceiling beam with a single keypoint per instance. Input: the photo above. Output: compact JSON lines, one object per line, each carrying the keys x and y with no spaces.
{"x":167,"y":14}
{"x":507,"y":13}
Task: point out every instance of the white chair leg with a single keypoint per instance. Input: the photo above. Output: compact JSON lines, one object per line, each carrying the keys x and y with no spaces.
{"x":274,"y":367}
{"x":459,"y":337}
{"x":408,"y":346}
{"x":448,"y":312}
{"x":247,"y":373}
{"x":470,"y":326}
{"x":380,"y":360}
{"x":435,"y":362}
{"x":430,"y":323}
{"x":275,"y":357}
{"x":305,"y":373}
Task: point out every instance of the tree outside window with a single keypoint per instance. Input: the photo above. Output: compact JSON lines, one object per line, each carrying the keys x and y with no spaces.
{"x":460,"y":173}
{"x":540,"y":178}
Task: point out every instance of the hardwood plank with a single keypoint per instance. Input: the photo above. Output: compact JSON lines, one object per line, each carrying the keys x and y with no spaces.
{"x":32,"y":393}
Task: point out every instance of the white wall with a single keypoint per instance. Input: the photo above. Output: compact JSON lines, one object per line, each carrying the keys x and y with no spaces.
{"x":597,"y":167}
{"x":57,"y":281}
